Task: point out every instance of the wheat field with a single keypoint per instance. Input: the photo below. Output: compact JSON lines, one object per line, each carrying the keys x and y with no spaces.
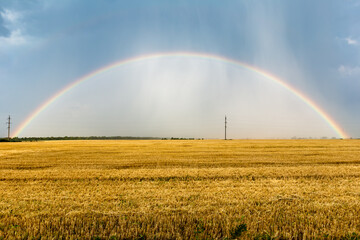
{"x":180,"y":189}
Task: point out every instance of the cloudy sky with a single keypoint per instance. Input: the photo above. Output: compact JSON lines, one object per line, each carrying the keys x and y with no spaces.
{"x":312,"y":45}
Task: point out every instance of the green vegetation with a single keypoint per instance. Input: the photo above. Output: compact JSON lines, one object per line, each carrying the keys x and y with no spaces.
{"x":35,"y":139}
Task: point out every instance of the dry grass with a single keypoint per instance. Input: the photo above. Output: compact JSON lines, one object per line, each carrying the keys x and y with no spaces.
{"x":180,"y":189}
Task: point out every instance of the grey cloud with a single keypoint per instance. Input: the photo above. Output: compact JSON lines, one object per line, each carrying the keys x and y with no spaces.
{"x":4,"y":32}
{"x":349,"y":71}
{"x":352,"y":41}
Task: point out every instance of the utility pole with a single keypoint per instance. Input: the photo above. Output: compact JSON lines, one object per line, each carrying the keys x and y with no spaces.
{"x":225,"y":126}
{"x":9,"y":123}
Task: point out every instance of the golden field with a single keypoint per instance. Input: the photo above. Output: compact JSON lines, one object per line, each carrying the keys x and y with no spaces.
{"x":180,"y":189}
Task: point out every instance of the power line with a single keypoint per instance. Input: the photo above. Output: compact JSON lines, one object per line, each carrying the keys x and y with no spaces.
{"x":225,"y":126}
{"x":9,"y":124}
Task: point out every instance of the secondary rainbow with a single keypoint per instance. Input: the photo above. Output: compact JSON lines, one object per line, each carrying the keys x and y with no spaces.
{"x":258,"y":71}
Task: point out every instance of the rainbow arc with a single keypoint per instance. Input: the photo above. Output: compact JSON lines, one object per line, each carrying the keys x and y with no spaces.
{"x":322,"y":113}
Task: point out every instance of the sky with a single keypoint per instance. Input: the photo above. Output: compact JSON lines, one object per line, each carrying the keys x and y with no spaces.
{"x":314,"y":46}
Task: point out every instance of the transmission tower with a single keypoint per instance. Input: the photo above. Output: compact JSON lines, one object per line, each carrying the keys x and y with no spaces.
{"x":9,"y":124}
{"x":225,"y":126}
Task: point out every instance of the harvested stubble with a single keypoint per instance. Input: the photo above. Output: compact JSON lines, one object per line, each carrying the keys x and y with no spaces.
{"x":180,"y":189}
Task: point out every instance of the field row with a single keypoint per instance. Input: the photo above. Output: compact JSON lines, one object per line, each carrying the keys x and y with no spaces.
{"x":144,"y":190}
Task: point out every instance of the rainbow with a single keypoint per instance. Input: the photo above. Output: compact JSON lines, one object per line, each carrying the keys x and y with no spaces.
{"x":236,"y":63}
